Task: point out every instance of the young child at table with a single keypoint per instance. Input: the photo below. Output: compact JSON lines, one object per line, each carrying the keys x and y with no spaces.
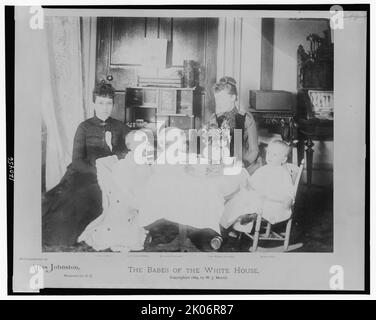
{"x":269,"y":191}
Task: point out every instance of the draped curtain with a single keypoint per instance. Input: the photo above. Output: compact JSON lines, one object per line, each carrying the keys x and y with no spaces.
{"x":64,"y":103}
{"x":239,"y":54}
{"x":229,"y":47}
{"x":229,"y":56}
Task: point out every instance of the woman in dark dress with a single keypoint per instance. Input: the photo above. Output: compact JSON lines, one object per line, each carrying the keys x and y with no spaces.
{"x":77,"y":200}
{"x":228,"y":114}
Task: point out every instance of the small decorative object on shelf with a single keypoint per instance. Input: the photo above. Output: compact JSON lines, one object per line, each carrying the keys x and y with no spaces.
{"x":189,"y":74}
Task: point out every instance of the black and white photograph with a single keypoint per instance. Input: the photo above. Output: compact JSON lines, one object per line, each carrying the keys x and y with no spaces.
{"x":154,"y":74}
{"x":189,"y":149}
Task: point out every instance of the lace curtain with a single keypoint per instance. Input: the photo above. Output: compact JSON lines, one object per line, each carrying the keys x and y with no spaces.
{"x":63,"y":106}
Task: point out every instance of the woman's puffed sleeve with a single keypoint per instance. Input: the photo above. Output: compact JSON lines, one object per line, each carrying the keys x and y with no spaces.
{"x":79,"y":144}
{"x":79,"y":156}
{"x":250,"y":145}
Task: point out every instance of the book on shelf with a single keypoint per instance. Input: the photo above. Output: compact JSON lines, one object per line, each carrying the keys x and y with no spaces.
{"x":159,"y":82}
{"x":160,"y":85}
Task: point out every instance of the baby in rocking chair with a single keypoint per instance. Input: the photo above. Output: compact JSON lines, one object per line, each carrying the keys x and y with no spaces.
{"x":269,"y":191}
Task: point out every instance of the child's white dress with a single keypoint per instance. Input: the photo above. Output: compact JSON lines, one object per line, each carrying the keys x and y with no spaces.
{"x":174,"y":194}
{"x":272,"y":181}
{"x":117,"y":228}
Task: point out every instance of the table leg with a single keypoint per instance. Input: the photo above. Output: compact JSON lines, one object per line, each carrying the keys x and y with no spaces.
{"x":300,"y":149}
{"x":309,"y":155}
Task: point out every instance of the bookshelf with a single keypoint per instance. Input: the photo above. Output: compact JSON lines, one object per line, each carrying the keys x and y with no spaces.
{"x":175,"y":106}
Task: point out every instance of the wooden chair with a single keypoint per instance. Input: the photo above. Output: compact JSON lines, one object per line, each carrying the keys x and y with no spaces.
{"x":269,"y":234}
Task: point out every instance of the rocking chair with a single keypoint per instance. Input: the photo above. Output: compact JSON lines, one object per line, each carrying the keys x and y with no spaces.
{"x":271,"y":235}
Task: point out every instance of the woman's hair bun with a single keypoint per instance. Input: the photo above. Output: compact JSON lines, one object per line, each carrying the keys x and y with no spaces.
{"x":103,"y":89}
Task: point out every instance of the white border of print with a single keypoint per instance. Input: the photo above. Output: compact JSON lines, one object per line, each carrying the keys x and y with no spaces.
{"x":3,"y":224}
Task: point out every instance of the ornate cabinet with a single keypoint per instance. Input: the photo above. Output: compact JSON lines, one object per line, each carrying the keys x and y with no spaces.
{"x":315,"y":96}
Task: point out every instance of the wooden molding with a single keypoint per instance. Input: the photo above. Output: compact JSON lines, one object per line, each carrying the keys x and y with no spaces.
{"x":267,"y":53}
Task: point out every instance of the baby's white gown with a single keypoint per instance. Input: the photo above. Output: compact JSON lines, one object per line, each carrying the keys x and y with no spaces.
{"x":117,"y":228}
{"x":273,"y":181}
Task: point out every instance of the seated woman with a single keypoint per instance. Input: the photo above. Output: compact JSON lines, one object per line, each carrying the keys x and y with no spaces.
{"x":77,"y":200}
{"x":228,"y":115}
{"x":228,"y":119}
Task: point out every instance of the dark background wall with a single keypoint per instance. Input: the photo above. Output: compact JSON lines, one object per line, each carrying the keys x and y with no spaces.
{"x":188,"y":38}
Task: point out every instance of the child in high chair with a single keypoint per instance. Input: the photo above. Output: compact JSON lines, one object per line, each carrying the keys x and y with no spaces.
{"x":269,"y":191}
